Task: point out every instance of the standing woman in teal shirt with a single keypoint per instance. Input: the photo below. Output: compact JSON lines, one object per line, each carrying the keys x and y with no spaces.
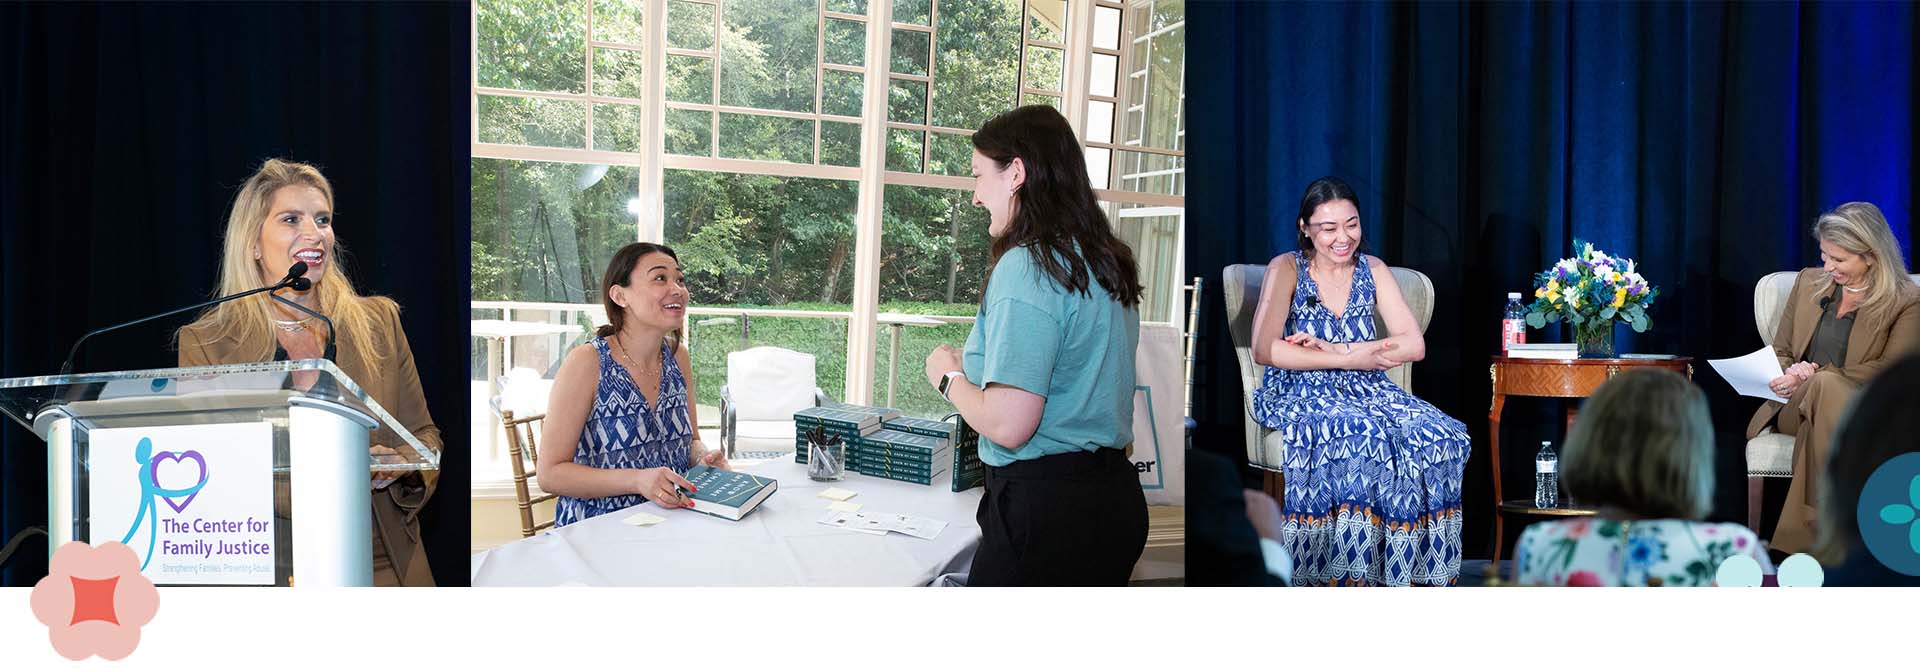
{"x":1047,"y":375}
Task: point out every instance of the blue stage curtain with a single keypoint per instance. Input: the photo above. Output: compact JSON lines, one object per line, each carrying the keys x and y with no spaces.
{"x":1701,"y":139}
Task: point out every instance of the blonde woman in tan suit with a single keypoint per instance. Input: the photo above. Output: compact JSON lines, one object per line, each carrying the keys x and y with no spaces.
{"x":1844,"y":321}
{"x":283,"y":215}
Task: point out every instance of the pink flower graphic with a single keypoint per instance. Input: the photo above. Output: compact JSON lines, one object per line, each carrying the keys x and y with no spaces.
{"x":94,"y":601}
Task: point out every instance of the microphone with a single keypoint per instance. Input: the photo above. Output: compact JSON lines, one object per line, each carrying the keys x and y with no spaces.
{"x":302,"y":284}
{"x":293,"y":274}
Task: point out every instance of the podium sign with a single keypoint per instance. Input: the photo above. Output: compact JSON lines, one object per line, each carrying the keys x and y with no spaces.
{"x":234,"y":474}
{"x":194,"y":502}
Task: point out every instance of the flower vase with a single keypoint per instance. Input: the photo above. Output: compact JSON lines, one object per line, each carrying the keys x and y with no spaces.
{"x":1595,"y":344}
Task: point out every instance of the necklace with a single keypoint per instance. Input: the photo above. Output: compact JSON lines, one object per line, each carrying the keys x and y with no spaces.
{"x":291,"y":326}
{"x":623,"y":353}
{"x":1329,"y":268}
{"x":1854,"y":290}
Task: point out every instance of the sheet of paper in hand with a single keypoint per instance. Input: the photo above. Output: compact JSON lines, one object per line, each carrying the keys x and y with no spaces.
{"x":1750,"y":374}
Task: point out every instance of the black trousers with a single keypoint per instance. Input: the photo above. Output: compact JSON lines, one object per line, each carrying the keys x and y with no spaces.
{"x":1069,"y":519}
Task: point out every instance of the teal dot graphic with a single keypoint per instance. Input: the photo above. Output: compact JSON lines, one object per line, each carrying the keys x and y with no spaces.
{"x":1802,"y":570}
{"x":1889,"y":514}
{"x":1738,"y":571}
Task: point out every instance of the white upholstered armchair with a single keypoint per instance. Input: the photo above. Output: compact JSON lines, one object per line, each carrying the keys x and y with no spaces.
{"x":1241,"y":286}
{"x":765,"y":386}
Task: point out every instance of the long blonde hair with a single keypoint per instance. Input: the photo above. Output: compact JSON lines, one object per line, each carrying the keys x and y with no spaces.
{"x":248,"y":322}
{"x":1860,"y":228}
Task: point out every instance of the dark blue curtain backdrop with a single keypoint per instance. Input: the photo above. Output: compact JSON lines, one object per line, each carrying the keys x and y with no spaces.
{"x":1701,"y":139}
{"x":125,"y":130}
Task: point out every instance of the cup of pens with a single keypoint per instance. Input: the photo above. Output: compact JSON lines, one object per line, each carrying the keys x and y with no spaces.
{"x":826,"y":456}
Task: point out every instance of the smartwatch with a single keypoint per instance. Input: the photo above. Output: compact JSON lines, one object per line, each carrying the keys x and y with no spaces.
{"x":946,"y":383}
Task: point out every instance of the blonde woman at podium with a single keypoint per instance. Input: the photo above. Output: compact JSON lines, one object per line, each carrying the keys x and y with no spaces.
{"x":282,"y":215}
{"x":620,"y":427}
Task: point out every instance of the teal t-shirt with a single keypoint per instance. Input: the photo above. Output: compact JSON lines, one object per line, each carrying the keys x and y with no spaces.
{"x":1075,"y":350}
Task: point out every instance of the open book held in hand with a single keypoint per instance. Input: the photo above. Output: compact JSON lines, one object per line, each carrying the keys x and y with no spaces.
{"x":728,"y":494}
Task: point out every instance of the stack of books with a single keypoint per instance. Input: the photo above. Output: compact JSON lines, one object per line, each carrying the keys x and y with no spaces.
{"x":1543,"y":351}
{"x":883,"y":444}
{"x":846,"y":421}
{"x":965,"y":467}
{"x":898,"y":455}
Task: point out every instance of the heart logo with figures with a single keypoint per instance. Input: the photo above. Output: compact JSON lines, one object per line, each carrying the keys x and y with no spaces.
{"x":153,"y":472}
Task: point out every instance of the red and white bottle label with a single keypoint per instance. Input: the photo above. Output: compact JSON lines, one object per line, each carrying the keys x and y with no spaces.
{"x":1512,"y":332}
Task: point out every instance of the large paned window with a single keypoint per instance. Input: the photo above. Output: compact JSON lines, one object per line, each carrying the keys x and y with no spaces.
{"x":735,"y":131}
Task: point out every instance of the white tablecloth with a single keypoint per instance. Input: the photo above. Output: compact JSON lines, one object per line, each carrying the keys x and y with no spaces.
{"x":779,"y":544}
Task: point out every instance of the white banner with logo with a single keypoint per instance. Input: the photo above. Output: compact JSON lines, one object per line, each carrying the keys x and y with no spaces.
{"x":194,"y":502}
{"x":1159,"y":432}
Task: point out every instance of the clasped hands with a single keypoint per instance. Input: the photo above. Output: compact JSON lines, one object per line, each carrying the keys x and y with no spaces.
{"x":1790,"y":381}
{"x":1363,"y":356}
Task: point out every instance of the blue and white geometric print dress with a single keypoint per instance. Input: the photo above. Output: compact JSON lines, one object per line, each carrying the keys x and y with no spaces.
{"x":623,"y":432}
{"x":1372,"y":472}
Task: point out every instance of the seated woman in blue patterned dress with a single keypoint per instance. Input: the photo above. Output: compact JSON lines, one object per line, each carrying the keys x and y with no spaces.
{"x":1642,"y":452}
{"x":620,"y":427}
{"x":1372,"y":473}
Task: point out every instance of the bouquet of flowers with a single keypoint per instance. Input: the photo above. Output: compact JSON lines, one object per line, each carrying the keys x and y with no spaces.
{"x":1592,"y":291}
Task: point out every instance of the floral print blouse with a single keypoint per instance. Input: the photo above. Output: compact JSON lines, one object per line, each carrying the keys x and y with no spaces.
{"x":1594,"y":552}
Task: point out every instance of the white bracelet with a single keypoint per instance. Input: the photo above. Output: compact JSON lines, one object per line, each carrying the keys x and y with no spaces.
{"x":946,"y":384}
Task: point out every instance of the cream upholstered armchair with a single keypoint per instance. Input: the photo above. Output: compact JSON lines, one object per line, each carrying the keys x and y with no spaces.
{"x":1770,"y":455}
{"x":1241,"y":285}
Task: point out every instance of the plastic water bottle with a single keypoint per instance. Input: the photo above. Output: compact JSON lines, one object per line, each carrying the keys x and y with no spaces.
{"x":1546,"y":478}
{"x":1513,"y":325}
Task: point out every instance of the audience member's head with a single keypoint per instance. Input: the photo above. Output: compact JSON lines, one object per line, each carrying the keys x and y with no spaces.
{"x":1643,"y":445}
{"x":1880,"y":425}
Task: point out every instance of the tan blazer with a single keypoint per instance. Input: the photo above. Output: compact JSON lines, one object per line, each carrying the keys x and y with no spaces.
{"x":1878,"y":339}
{"x":395,"y":384}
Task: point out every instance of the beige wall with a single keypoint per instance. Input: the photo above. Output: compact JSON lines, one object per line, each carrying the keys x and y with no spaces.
{"x":496,"y":521}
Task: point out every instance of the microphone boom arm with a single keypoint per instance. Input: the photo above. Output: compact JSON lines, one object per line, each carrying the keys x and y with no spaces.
{"x":293,"y":274}
{"x":329,"y":352}
{"x":67,"y":366}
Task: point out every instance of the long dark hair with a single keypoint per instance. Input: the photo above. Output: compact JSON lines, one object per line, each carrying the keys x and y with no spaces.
{"x":1055,"y":208}
{"x":1322,"y":190}
{"x":619,"y":272}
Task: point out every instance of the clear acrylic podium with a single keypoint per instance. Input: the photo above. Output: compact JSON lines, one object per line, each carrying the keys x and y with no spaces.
{"x":320,"y":422}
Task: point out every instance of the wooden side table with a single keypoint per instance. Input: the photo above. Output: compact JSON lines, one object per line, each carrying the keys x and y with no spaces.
{"x":1570,"y":379}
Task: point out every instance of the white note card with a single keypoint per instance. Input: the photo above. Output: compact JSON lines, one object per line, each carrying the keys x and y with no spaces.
{"x":644,"y":519}
{"x":850,"y":522}
{"x":879,"y":524}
